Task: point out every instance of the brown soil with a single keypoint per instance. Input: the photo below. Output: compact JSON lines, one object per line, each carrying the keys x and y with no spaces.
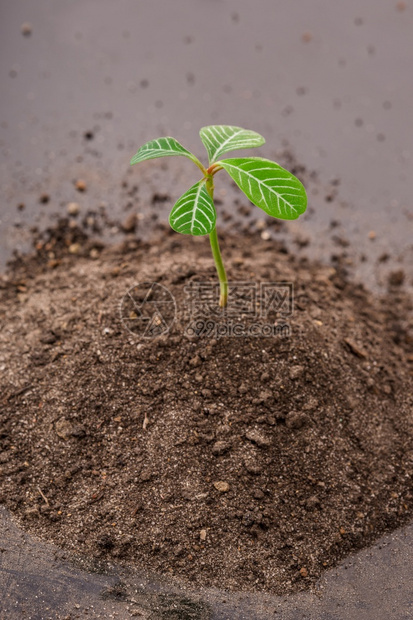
{"x":248,"y":463}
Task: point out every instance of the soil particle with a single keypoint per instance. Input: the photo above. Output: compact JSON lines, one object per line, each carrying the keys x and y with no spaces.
{"x":401,"y":6}
{"x":73,"y":208}
{"x":32,"y":513}
{"x":26,"y":29}
{"x":130,"y":223}
{"x":252,"y":466}
{"x":296,"y":420}
{"x":195,"y":361}
{"x":63,"y":428}
{"x":396,"y":278}
{"x":75,"y":248}
{"x":220,"y":447}
{"x":296,"y":372}
{"x":81,"y":185}
{"x":160,"y":197}
{"x":312,"y":503}
{"x":265,"y":395}
{"x":257,"y":437}
{"x":306,"y":37}
{"x":44,"y":199}
{"x":221,"y":486}
{"x":355,"y":348}
{"x":258,"y":494}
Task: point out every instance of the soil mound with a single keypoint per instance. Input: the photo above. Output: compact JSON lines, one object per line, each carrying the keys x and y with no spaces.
{"x":248,"y":462}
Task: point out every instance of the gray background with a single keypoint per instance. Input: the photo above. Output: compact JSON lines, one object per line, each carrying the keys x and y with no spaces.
{"x":132,"y":70}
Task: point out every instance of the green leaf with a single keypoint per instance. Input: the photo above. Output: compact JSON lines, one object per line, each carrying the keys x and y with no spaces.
{"x":219,"y":139}
{"x":194,"y":213}
{"x":162,"y":147}
{"x":271,"y":188}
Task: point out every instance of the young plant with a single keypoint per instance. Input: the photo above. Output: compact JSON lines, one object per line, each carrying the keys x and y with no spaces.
{"x":267,"y":185}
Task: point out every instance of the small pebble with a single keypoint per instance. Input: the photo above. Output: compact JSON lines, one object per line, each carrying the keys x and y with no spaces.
{"x":26,"y":29}
{"x":258,"y":494}
{"x":73,"y":208}
{"x":260,"y":224}
{"x":129,"y":224}
{"x":401,"y":6}
{"x":74,"y":248}
{"x":221,"y":486}
{"x":202,"y":535}
{"x":44,"y":199}
{"x":81,"y":185}
{"x":372,"y":235}
{"x":303,"y":572}
{"x":63,"y":428}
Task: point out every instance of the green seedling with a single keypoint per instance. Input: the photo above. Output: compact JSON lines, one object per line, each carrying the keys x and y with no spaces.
{"x":267,"y":185}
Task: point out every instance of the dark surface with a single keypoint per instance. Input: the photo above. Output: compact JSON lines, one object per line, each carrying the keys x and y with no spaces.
{"x":95,"y":79}
{"x":39,"y":583}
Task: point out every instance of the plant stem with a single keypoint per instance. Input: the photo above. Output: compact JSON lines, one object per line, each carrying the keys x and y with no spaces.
{"x":216,"y":253}
{"x":199,"y":164}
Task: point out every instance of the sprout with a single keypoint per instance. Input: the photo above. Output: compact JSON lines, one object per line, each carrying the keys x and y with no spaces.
{"x":267,"y":185}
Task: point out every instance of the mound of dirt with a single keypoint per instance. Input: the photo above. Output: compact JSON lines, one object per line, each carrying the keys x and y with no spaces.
{"x":248,"y":461}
